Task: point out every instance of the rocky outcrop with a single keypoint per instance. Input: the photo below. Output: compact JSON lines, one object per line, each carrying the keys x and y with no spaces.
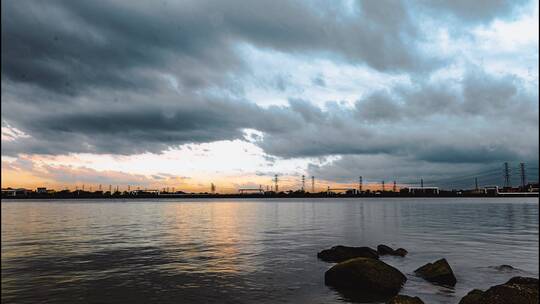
{"x":403,"y":299}
{"x":366,"y":277}
{"x":438,"y":272}
{"x":386,"y":250}
{"x":518,"y":290}
{"x":342,"y":253}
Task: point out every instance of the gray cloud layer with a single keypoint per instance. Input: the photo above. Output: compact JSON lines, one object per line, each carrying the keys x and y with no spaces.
{"x":91,"y":77}
{"x":69,"y":46}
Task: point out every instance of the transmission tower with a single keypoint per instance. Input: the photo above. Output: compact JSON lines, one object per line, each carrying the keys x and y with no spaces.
{"x":476,"y":183}
{"x":212,"y":188}
{"x":276,"y":183}
{"x":382,"y":186}
{"x":507,"y":176}
{"x":522,"y":173}
{"x":394,"y":187}
{"x":360,"y":183}
{"x":422,"y":183}
{"x":313,"y":184}
{"x":303,"y":183}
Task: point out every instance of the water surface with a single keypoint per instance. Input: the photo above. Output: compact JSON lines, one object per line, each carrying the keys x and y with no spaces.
{"x":246,"y":251}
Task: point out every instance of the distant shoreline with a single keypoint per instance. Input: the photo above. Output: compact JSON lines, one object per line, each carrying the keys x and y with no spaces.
{"x":262,"y":196}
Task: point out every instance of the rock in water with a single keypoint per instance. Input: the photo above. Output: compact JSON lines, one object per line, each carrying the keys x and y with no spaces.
{"x":473,"y":297}
{"x":518,"y":290}
{"x":403,"y":299}
{"x":342,"y":253}
{"x":438,"y":272}
{"x":387,"y":250}
{"x":401,"y":252}
{"x":383,"y":249}
{"x":504,"y":267}
{"x":366,"y":276}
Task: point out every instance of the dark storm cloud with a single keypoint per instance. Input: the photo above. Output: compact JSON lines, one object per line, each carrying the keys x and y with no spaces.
{"x":72,"y":46}
{"x":132,"y":77}
{"x":133,"y":124}
{"x":69,"y":46}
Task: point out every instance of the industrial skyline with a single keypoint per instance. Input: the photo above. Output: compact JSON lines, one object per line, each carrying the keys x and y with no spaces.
{"x":185,"y":94}
{"x":506,"y":177}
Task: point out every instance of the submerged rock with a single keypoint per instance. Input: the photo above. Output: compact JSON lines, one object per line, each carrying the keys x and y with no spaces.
{"x":342,"y":253}
{"x":518,"y":290}
{"x":401,"y":252}
{"x":387,"y":250}
{"x":367,"y":277}
{"x":438,"y":272}
{"x":504,"y":267}
{"x":403,"y":299}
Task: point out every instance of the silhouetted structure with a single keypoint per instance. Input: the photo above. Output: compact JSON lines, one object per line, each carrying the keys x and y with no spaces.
{"x":507,"y":183}
{"x":523,"y":176}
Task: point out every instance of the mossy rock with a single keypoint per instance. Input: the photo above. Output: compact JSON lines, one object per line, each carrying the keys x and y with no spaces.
{"x":438,"y":272}
{"x":518,"y":290}
{"x":342,"y":253}
{"x":366,"y":276}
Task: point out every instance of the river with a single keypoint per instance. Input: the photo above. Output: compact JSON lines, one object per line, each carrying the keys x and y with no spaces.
{"x":251,"y":251}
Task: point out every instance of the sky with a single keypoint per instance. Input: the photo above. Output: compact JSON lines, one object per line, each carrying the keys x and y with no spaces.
{"x":187,"y":93}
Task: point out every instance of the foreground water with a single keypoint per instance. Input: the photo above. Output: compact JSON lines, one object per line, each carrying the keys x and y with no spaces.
{"x":251,"y":251}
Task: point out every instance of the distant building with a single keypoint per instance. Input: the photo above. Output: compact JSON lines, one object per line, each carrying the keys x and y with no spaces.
{"x":145,"y":192}
{"x":351,"y":191}
{"x":348,"y":191}
{"x":532,"y":187}
{"x":41,"y":190}
{"x":491,"y":190}
{"x":9,"y":192}
{"x":423,"y":190}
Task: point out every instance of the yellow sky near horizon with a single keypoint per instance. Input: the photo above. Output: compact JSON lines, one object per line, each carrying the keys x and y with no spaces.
{"x":225,"y":184}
